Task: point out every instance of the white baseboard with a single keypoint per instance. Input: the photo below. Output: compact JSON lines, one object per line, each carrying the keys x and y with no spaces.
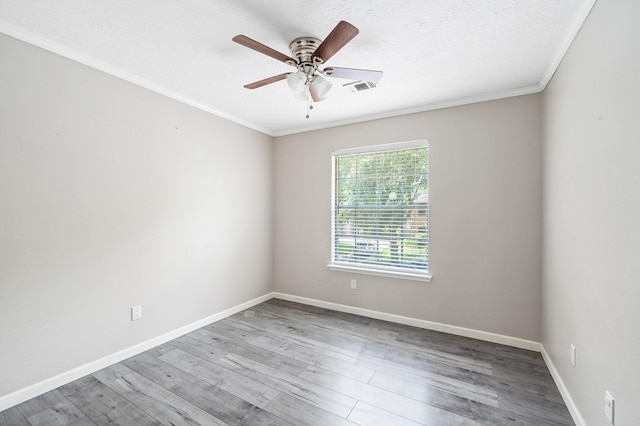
{"x":429,"y":325}
{"x":566,"y":396}
{"x":36,"y":389}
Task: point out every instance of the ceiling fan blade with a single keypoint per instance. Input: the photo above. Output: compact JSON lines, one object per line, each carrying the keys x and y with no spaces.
{"x":341,"y":35}
{"x":266,"y":50}
{"x":266,"y":81}
{"x":353,"y":74}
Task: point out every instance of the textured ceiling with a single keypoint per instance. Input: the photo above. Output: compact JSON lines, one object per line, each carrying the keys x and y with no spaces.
{"x":434,"y":53}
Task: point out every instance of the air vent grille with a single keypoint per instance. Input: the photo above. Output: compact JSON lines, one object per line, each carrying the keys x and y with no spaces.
{"x":360,"y":86}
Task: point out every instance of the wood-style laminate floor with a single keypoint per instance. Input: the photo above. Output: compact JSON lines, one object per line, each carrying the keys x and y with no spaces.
{"x":282,"y":363}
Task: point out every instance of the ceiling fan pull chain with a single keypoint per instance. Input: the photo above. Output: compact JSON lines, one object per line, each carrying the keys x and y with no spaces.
{"x":309,"y":106}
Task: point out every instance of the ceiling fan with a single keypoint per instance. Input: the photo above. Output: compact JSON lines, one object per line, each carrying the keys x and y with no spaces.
{"x":308,"y":56}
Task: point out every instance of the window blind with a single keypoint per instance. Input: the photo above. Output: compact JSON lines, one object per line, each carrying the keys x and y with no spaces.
{"x":381,"y":208}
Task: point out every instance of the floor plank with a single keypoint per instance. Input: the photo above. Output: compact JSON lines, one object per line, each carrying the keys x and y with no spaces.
{"x":221,"y":404}
{"x":319,"y":396}
{"x":315,"y":357}
{"x":53,"y":408}
{"x":236,"y":384}
{"x":409,"y":408}
{"x":164,"y":406}
{"x":102,"y":405}
{"x":281,"y":363}
{"x":255,"y":353}
{"x":365,"y":415}
{"x":13,"y":416}
{"x":422,"y":389}
{"x":302,"y":413}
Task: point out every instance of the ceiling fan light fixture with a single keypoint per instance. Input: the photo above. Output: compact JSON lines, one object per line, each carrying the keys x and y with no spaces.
{"x":301,"y":96}
{"x":297,"y":82}
{"x":322,"y":85}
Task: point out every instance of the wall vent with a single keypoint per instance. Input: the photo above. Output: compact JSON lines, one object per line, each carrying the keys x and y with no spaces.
{"x":360,"y":86}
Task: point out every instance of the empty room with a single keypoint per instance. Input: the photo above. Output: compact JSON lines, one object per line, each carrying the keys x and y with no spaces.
{"x":320,"y":213}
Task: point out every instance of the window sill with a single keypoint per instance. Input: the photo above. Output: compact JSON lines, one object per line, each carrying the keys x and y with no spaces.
{"x":379,"y":272}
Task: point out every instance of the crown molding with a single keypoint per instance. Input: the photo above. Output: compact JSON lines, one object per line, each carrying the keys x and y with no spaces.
{"x":565,"y":44}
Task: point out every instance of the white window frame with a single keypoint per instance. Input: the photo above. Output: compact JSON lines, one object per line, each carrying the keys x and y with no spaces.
{"x":402,"y":273}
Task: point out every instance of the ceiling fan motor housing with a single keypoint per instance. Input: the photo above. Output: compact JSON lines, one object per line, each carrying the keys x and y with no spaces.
{"x":302,"y":48}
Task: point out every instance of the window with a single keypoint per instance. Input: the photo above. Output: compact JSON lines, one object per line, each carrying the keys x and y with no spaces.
{"x":380,"y":217}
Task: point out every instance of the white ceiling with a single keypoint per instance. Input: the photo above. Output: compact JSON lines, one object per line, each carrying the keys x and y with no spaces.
{"x":434,"y":53}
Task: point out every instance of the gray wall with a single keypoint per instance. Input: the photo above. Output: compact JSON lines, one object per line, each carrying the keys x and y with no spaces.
{"x":485,"y":211}
{"x":591,"y":279}
{"x":111,"y":196}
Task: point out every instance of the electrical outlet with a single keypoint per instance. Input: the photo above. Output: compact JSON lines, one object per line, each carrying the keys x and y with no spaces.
{"x":136,"y":312}
{"x":354,"y":285}
{"x":609,"y":406}
{"x":573,"y":355}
